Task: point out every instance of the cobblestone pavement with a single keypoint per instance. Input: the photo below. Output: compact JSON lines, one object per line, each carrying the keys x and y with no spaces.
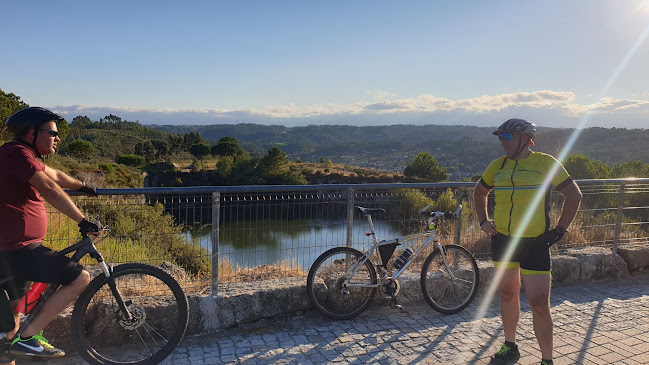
{"x":595,"y":323}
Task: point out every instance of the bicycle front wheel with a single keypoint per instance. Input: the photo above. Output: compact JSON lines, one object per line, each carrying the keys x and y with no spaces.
{"x":159,"y":315}
{"x":450,"y":285}
{"x":336,"y":295}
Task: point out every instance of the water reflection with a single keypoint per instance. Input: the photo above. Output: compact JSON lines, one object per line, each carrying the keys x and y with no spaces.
{"x":253,"y":243}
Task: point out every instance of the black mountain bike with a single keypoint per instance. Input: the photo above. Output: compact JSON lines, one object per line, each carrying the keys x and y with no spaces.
{"x":132,"y":313}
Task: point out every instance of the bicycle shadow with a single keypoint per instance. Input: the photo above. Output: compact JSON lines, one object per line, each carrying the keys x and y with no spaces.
{"x":376,"y":334}
{"x":564,"y":294}
{"x":386,"y":335}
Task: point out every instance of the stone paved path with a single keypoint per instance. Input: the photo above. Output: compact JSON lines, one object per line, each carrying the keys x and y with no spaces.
{"x":595,"y":323}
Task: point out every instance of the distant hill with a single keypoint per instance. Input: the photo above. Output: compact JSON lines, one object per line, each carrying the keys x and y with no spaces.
{"x":463,"y":150}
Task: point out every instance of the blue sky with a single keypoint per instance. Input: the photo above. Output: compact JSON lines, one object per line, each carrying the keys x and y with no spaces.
{"x":350,"y":62}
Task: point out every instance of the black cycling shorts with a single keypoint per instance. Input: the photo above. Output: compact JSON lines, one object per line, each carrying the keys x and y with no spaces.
{"x":36,"y":263}
{"x":530,"y":254}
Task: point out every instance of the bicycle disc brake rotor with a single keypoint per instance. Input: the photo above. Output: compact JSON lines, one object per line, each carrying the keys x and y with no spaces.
{"x":390,"y":286}
{"x":138,"y":317}
{"x":341,"y":286}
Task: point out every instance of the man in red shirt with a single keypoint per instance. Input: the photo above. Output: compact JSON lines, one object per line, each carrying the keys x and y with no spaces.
{"x":25,"y":182}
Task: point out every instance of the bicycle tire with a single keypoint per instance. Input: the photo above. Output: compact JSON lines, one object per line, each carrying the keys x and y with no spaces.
{"x":442,"y":292}
{"x":159,"y":306}
{"x":325,"y":284}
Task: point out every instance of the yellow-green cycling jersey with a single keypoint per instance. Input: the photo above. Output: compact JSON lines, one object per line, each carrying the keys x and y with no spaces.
{"x":523,"y":190}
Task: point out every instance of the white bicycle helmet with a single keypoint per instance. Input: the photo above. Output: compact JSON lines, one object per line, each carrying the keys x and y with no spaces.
{"x":516,"y":125}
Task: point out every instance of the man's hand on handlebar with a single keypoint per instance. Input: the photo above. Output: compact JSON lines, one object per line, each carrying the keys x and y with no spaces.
{"x":88,"y":190}
{"x":90,"y":227}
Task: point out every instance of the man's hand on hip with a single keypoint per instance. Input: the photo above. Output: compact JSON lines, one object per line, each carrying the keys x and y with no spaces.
{"x":489,"y":227}
{"x":552,"y":236}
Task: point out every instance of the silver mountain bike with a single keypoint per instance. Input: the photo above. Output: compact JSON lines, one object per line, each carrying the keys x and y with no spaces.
{"x":342,"y":281}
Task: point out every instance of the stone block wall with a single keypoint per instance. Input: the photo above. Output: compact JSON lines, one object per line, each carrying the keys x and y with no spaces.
{"x":247,"y":302}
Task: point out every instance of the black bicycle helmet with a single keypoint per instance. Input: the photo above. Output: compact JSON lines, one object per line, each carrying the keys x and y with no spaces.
{"x":20,"y":121}
{"x":516,"y":125}
{"x":32,"y":117}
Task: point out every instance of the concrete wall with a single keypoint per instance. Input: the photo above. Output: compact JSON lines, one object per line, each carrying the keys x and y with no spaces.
{"x":279,"y":297}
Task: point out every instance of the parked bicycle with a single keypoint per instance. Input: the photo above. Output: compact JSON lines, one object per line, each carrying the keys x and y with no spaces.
{"x":132,"y":313}
{"x":342,"y":281}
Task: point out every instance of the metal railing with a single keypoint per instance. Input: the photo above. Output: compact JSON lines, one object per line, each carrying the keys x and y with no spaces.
{"x":217,"y":236}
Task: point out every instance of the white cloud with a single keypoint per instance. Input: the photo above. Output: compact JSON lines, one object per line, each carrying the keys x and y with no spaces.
{"x":644,"y":94}
{"x":544,"y":107}
{"x":381,"y":95}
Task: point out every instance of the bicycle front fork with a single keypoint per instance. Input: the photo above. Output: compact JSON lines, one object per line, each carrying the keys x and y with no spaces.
{"x":444,"y":262}
{"x":116,"y":294}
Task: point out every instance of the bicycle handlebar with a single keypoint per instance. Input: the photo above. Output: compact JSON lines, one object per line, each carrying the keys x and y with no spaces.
{"x":446,"y":215}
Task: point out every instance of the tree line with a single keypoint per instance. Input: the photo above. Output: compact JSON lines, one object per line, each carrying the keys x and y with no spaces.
{"x":255,"y":154}
{"x":583,"y":167}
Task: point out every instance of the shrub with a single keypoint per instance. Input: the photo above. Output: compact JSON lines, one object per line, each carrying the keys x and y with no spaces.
{"x":81,"y":149}
{"x":425,"y":166}
{"x":411,"y":202}
{"x":149,"y":232}
{"x":106,"y":168}
{"x":446,"y":202}
{"x":130,"y":160}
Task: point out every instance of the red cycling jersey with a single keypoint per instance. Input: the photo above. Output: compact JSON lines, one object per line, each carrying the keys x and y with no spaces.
{"x":23,"y":219}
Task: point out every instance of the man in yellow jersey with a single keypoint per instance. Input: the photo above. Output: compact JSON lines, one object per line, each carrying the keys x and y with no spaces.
{"x":520,"y":230}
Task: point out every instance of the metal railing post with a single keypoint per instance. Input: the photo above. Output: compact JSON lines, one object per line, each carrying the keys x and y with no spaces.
{"x":620,"y":214}
{"x":350,"y":216}
{"x":216,"y":218}
{"x":458,"y":228}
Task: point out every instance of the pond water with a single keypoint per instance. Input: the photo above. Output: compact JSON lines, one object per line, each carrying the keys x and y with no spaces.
{"x":300,"y":242}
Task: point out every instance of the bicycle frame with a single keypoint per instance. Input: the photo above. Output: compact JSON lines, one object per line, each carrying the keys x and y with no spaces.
{"x":432,"y":238}
{"x":155,"y":337}
{"x":84,"y":247}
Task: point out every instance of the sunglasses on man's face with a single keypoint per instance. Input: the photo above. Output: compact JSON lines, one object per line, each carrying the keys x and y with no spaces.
{"x":51,"y":132}
{"x":506,"y":136}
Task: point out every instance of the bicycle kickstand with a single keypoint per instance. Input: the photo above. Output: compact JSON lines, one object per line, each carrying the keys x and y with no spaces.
{"x":395,"y":303}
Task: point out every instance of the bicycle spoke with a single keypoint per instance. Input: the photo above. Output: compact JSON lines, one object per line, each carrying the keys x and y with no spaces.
{"x":151,"y":331}
{"x":449,"y":287}
{"x":143,"y":342}
{"x":159,"y":317}
{"x":332,"y":292}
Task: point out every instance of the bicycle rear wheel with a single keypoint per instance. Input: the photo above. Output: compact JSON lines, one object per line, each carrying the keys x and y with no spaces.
{"x":450,"y":288}
{"x":335,"y":295}
{"x":103,"y":335}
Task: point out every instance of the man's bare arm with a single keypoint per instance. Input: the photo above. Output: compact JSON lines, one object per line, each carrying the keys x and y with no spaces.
{"x":62,"y":179}
{"x":570,"y":207}
{"x":53,"y":194}
{"x":480,"y":194}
